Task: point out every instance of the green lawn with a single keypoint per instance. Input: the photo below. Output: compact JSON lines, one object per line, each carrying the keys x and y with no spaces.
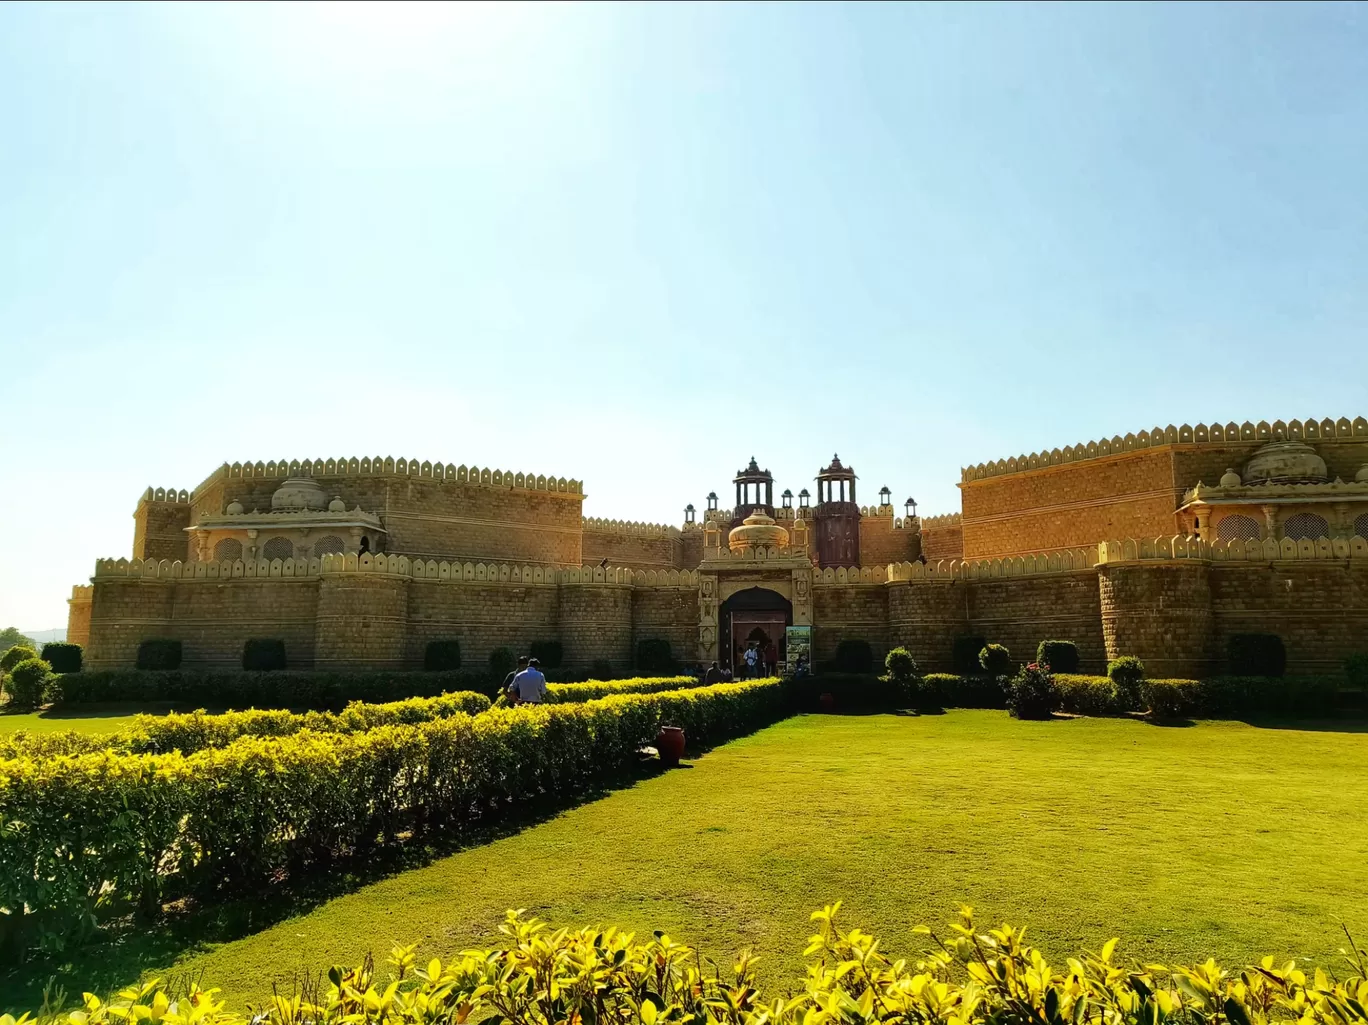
{"x":98,"y":720}
{"x":1219,"y":838}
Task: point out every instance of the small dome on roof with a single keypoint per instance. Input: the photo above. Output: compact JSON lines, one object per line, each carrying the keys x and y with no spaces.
{"x":1362,"y":476}
{"x":337,"y":505}
{"x":1230,"y":479}
{"x":299,"y":494}
{"x":234,"y":508}
{"x":758,"y":530}
{"x":1284,"y":461}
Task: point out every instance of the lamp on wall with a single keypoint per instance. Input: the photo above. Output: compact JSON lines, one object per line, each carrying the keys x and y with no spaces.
{"x":885,"y":496}
{"x":911,"y":506}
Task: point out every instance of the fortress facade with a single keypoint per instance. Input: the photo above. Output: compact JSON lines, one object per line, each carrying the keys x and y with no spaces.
{"x":1159,"y":544}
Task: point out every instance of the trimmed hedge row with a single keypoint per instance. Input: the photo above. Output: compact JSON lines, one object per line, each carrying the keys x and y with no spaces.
{"x":569,"y":693}
{"x":297,"y":689}
{"x":94,"y":836}
{"x":194,"y":731}
{"x":1227,"y":697}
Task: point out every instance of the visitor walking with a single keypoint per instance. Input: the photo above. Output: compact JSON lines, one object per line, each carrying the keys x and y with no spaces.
{"x":713,"y":675}
{"x":508,"y":680}
{"x":529,"y":686}
{"x":752,"y":660}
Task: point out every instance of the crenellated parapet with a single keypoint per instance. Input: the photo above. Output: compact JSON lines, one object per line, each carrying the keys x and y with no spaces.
{"x":169,"y":495}
{"x":630,"y":527}
{"x":1269,"y":550}
{"x":1067,"y":561}
{"x":82,"y":592}
{"x":1327,"y":430}
{"x":953,"y":519}
{"x":389,"y":466}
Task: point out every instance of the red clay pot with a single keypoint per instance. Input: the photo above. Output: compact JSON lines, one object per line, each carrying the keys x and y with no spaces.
{"x":670,"y":744}
{"x":827,"y":702}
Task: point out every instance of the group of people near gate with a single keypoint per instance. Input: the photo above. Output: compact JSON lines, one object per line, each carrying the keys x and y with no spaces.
{"x":526,"y":685}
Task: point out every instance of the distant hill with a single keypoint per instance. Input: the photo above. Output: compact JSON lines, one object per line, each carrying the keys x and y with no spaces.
{"x":43,"y":636}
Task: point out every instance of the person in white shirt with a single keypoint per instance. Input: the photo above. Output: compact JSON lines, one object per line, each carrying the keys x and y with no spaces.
{"x":529,"y":686}
{"x":752,"y":657}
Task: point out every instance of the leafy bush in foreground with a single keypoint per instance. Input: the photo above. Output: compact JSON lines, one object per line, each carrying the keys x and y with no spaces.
{"x":996,"y":660}
{"x":1088,"y":695}
{"x":1031,"y":694}
{"x":953,"y":691}
{"x":14,"y":655}
{"x":1127,"y":672}
{"x":543,"y":977}
{"x":440,"y":656}
{"x":26,"y":683}
{"x":964,"y":654}
{"x":653,"y":655}
{"x":158,"y":827}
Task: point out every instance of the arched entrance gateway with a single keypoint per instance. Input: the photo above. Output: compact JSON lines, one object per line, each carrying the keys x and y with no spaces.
{"x":756,"y":615}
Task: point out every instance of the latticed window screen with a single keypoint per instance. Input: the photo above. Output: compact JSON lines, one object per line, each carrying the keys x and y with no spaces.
{"x":228,"y":550}
{"x":1361,"y":526}
{"x":1306,"y":526}
{"x":329,"y":544}
{"x":1239,"y":528}
{"x":278,"y":548}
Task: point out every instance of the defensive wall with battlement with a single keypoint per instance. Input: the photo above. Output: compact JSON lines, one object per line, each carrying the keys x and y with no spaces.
{"x":359,"y":563}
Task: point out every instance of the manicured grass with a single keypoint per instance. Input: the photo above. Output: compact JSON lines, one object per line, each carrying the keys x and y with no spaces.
{"x":1217,"y":839}
{"x":100,"y":720}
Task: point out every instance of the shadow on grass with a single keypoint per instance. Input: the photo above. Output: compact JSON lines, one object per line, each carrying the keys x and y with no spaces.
{"x":1310,"y":725}
{"x":124,"y":952}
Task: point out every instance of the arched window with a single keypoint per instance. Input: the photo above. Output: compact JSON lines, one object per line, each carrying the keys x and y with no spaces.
{"x":329,"y":544}
{"x":1361,"y":526}
{"x":228,"y":550}
{"x":1306,"y":527}
{"x":1239,"y":528}
{"x":278,"y":548}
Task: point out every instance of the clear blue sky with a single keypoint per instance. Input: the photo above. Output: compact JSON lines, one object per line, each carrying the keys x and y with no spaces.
{"x":637,"y":245}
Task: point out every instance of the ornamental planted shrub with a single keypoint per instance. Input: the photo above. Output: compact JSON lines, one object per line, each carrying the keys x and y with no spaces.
{"x":159,"y":654}
{"x":1087,"y":695}
{"x":608,"y":976}
{"x":905,"y":675}
{"x":263,"y":655}
{"x":569,"y":693}
{"x":653,"y":655}
{"x":964,"y":654}
{"x":549,"y":653}
{"x":1127,"y":673}
{"x":1031,"y":694}
{"x":1256,"y":655}
{"x":501,"y":662}
{"x":27,"y":682}
{"x":1356,"y":670}
{"x":995,"y":660}
{"x":854,"y":656}
{"x":1058,"y":656}
{"x":977,"y":691}
{"x":14,"y":655}
{"x":441,"y":656}
{"x":63,"y":657}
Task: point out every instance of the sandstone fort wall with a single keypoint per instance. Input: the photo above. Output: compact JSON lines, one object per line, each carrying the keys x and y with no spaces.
{"x":636,"y":545}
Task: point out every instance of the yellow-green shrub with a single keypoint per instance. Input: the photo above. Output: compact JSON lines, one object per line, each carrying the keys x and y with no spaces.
{"x":92,"y":836}
{"x":1088,"y":695}
{"x":562,"y":693}
{"x":540,"y":976}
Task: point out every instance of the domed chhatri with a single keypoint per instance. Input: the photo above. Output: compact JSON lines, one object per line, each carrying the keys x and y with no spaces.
{"x":234,"y":508}
{"x":1231,"y":479}
{"x":337,"y":505}
{"x":299,"y":494}
{"x":1285,"y":461}
{"x":758,"y":530}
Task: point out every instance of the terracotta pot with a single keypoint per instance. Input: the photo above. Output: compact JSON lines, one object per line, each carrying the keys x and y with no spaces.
{"x":670,"y":744}
{"x":827,"y":702}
